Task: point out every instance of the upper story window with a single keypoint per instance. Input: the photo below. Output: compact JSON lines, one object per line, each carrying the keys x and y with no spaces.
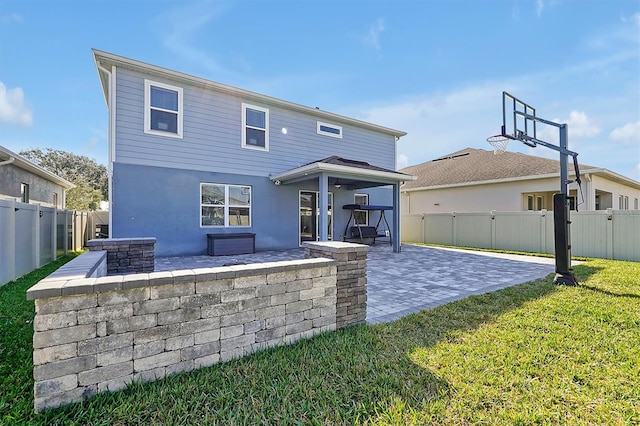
{"x":255,"y":127}
{"x":24,"y":192}
{"x":162,"y":109}
{"x":329,"y":130}
{"x":225,"y":205}
{"x":55,"y":199}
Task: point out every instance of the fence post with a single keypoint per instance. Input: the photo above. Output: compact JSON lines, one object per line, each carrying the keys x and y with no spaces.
{"x":543,"y":231}
{"x":493,"y":229}
{"x":610,"y":233}
{"x":455,"y":229}
{"x":37,"y":226}
{"x":65,"y":243}
{"x":54,"y":239}
{"x":11,"y":252}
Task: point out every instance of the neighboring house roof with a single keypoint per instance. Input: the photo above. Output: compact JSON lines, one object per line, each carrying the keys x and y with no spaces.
{"x":471,"y":166}
{"x":104,"y":61}
{"x":351,"y":173}
{"x":9,"y":157}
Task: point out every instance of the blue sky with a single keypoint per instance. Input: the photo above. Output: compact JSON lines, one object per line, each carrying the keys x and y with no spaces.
{"x":435,"y":69}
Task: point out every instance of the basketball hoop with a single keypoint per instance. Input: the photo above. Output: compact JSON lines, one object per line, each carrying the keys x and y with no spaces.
{"x":499,"y":143}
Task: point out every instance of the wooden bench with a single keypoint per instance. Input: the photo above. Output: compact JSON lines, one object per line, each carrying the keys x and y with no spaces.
{"x":363,"y":232}
{"x":230,"y":244}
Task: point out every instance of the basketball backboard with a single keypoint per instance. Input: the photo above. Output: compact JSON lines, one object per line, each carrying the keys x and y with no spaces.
{"x":518,"y":119}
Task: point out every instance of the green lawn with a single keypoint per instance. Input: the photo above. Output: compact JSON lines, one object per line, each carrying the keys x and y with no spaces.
{"x":531,"y":354}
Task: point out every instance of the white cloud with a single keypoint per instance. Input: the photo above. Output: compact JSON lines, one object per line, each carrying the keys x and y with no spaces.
{"x":13,"y":109}
{"x":581,"y":126}
{"x":402,"y":161}
{"x":373,"y":36}
{"x":630,"y":132}
{"x":12,"y":17}
{"x":539,"y":7}
{"x":180,"y":28}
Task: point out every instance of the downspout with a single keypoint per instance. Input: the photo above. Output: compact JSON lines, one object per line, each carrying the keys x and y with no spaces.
{"x":9,"y":161}
{"x":111,"y":142}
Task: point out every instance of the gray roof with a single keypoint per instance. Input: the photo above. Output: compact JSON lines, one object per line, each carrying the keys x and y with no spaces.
{"x":477,"y":165}
{"x":339,"y":161}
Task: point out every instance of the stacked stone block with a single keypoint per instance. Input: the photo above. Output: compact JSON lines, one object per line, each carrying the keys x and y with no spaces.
{"x":98,"y":334}
{"x":351,"y":304}
{"x":126,"y":255}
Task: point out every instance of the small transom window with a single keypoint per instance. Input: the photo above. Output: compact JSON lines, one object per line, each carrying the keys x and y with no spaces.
{"x":329,"y":130}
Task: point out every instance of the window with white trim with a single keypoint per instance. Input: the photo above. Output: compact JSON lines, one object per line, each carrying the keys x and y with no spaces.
{"x":361,"y":217}
{"x":539,"y":203}
{"x":24,"y":192}
{"x":224,"y":205}
{"x":162,"y":109}
{"x":635,"y":204}
{"x":255,"y":127}
{"x":327,"y":129}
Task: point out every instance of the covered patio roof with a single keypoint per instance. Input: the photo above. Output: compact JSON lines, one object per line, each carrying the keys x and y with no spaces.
{"x":336,"y":171}
{"x":351,"y":174}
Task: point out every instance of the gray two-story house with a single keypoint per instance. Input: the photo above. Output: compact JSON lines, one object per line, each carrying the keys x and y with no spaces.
{"x":189,"y":157}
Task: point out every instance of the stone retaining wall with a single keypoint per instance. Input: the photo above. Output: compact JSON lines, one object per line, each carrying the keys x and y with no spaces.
{"x":126,"y":255}
{"x":98,"y":334}
{"x":352,"y":278}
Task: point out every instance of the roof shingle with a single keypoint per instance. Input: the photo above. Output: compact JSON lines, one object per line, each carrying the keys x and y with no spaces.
{"x":476,"y":165}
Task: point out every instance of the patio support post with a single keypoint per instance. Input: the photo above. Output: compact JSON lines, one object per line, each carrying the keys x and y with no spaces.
{"x":396,"y":218}
{"x":323,"y":189}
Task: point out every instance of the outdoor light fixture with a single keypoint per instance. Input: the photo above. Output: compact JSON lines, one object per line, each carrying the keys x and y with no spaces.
{"x":337,"y":184}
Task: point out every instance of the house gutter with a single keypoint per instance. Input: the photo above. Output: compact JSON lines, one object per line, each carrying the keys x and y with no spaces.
{"x":9,"y":161}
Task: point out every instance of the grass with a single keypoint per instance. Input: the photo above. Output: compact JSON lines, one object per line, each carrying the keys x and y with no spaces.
{"x":530,"y":354}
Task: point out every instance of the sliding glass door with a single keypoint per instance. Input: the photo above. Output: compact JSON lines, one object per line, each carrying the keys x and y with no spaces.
{"x":309,"y":216}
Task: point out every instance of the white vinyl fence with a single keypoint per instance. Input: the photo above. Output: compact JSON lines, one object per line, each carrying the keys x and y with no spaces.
{"x":608,"y":234}
{"x":32,"y":235}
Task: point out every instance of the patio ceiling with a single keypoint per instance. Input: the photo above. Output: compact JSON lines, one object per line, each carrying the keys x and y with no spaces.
{"x":350,"y":174}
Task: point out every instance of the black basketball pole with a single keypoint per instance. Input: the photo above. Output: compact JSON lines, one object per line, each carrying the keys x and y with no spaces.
{"x":561,"y":218}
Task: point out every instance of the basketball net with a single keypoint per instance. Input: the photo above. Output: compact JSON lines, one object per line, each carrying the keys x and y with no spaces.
{"x":499,"y":143}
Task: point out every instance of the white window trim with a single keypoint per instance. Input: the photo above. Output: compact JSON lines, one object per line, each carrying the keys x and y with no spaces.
{"x":332,"y":135}
{"x":366,"y":212}
{"x":147,"y":109}
{"x":226,"y":206}
{"x":244,"y":127}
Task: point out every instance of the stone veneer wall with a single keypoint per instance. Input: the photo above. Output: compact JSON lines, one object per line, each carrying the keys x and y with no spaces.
{"x":126,"y":255}
{"x":98,"y":334}
{"x":352,"y":278}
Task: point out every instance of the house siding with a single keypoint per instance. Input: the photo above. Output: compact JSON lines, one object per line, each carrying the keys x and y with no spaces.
{"x":212,"y":134}
{"x":164,"y":203}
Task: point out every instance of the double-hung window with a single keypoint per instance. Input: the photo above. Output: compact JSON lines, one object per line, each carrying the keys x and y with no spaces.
{"x":361,"y":217}
{"x":255,"y":127}
{"x":225,"y":205}
{"x":162,"y":109}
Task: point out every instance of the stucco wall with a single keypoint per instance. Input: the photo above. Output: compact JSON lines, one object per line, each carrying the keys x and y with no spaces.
{"x":40,"y":190}
{"x":507,"y":196}
{"x":165,"y":203}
